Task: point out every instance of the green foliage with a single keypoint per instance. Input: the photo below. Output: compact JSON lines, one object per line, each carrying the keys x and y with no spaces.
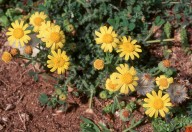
{"x":189,"y":109}
{"x":172,"y":125}
{"x":17,"y":10}
{"x":131,"y":106}
{"x":43,"y":99}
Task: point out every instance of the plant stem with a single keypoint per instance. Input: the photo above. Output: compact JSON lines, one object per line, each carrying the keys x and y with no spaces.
{"x":134,"y":125}
{"x":157,"y":41}
{"x":91,"y":99}
{"x":115,"y":98}
{"x":156,"y":73}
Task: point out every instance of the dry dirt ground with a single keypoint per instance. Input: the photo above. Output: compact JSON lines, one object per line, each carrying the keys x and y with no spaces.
{"x":20,"y":110}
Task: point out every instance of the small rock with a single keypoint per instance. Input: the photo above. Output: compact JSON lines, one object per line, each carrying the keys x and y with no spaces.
{"x":89,"y":111}
{"x":25,"y":116}
{"x":10,"y":107}
{"x":5,"y":119}
{"x":1,"y":127}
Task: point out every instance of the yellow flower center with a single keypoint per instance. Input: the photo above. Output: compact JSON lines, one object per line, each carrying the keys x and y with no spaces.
{"x":158,"y":104}
{"x":166,"y":63}
{"x":38,"y":21}
{"x":111,"y":85}
{"x":59,"y":62}
{"x":129,"y":47}
{"x":163,"y":82}
{"x":55,"y":37}
{"x":62,"y":97}
{"x":107,"y":38}
{"x":127,"y":78}
{"x":18,"y":33}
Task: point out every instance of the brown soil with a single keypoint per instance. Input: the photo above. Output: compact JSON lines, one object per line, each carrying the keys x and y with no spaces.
{"x":20,"y":109}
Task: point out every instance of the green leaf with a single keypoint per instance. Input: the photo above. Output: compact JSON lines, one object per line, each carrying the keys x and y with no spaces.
{"x":4,"y":21}
{"x":87,"y":121}
{"x":36,"y":77}
{"x":43,"y":99}
{"x":131,"y":26}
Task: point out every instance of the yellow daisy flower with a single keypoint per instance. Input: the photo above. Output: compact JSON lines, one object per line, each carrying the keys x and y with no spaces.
{"x":18,"y":34}
{"x":125,"y":78}
{"x":6,"y":57}
{"x":59,"y":61}
{"x":163,"y":82}
{"x":54,"y":38}
{"x":157,"y":104}
{"x":98,"y":64}
{"x":44,"y":28}
{"x":110,"y":86}
{"x":128,"y":48}
{"x":36,"y":20}
{"x":107,"y":38}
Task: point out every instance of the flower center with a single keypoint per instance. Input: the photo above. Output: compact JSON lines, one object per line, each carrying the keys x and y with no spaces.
{"x":127,"y":78}
{"x":38,"y":21}
{"x":111,"y":85}
{"x":55,"y":37}
{"x":125,"y":113}
{"x":59,"y":62}
{"x":18,"y":33}
{"x":158,"y":104}
{"x":163,"y":82}
{"x":166,"y":63}
{"x":107,"y":38}
{"x":129,"y":47}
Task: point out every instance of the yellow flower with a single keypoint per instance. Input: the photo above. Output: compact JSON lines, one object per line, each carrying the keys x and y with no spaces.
{"x":98,"y":64}
{"x":59,"y":61}
{"x":44,"y":28}
{"x":54,"y":38}
{"x":6,"y":57}
{"x":28,"y":50}
{"x":109,"y":85}
{"x":107,"y":38}
{"x":36,"y":20}
{"x":128,"y":48}
{"x":157,"y":104}
{"x":62,"y":97}
{"x":125,"y":78}
{"x":163,"y":82}
{"x":18,"y":34}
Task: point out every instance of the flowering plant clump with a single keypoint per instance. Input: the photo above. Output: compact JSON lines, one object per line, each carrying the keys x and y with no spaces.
{"x":104,"y":49}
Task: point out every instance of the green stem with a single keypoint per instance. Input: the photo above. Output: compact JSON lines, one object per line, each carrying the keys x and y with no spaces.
{"x":156,"y":73}
{"x":135,"y":124}
{"x":116,"y":99}
{"x":91,"y":99}
{"x":148,"y":36}
{"x":158,"y":41}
